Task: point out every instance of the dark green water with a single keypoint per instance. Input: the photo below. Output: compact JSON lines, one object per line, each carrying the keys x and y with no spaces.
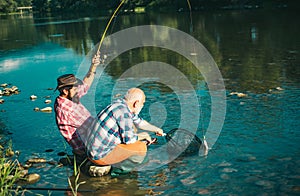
{"x":257,"y":151}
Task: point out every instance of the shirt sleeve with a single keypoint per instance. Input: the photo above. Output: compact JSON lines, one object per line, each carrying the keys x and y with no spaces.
{"x":137,"y":120}
{"x":126,"y":127}
{"x":82,"y":89}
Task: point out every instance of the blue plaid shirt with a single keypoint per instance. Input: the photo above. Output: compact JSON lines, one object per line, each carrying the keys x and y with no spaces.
{"x":116,"y":125}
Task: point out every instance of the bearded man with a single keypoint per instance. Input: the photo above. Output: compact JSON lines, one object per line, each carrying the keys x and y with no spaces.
{"x":70,"y":114}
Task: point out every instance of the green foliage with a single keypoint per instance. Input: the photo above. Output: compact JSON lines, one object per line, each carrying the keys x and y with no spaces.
{"x":7,"y":6}
{"x":90,"y":6}
{"x":76,"y":185}
{"x":9,"y":174}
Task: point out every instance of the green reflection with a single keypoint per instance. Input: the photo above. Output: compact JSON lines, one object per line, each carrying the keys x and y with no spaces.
{"x":255,"y":50}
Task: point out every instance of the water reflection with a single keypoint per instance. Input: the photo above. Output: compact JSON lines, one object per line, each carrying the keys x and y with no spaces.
{"x":244,"y":44}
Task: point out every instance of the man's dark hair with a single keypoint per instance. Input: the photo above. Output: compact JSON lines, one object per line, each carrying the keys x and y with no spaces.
{"x":61,"y":90}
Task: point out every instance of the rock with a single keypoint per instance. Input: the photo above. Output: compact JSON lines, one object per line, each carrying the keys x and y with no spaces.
{"x":1,"y":101}
{"x":37,"y":160}
{"x":33,"y":97}
{"x":46,"y":109}
{"x":240,"y":95}
{"x":47,"y":101}
{"x":36,"y":109}
{"x":9,"y":153}
{"x":279,"y":88}
{"x":4,"y":85}
{"x":17,"y":152}
{"x":23,"y":173}
{"x":97,"y":171}
{"x":33,"y":178}
{"x":13,"y":89}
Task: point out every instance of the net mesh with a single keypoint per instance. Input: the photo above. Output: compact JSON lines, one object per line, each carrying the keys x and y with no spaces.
{"x":182,"y":142}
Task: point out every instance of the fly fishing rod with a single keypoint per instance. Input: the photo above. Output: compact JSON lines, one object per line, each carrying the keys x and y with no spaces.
{"x":108,"y":24}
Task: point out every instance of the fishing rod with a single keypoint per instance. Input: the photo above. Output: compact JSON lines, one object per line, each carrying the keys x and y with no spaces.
{"x":108,"y":24}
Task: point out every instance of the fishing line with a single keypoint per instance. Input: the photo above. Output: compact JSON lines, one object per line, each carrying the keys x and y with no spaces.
{"x":108,"y":24}
{"x":204,"y":142}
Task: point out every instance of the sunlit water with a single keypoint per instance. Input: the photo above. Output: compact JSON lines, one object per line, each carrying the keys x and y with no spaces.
{"x":257,"y":152}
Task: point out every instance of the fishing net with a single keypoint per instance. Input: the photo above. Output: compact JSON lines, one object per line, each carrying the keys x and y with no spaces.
{"x":182,"y":142}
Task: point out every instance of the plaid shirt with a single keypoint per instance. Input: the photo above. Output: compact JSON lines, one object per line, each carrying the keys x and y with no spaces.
{"x":115,"y":126}
{"x":71,"y":116}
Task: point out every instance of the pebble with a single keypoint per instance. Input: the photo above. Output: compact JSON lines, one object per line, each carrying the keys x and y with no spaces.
{"x":46,"y":109}
{"x":4,"y":85}
{"x":36,"y":109}
{"x":240,"y":95}
{"x":33,"y":97}
{"x":37,"y":160}
{"x":32,"y":178}
{"x":47,"y":101}
{"x":9,"y":91}
{"x":9,"y":153}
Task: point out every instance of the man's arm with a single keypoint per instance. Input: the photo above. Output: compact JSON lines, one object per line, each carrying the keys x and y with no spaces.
{"x":88,"y":79}
{"x":149,"y":127}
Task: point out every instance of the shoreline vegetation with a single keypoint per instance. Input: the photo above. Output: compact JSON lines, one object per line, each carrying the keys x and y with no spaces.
{"x":56,"y":7}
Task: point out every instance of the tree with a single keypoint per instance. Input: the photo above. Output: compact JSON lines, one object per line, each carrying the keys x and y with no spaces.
{"x":7,"y":6}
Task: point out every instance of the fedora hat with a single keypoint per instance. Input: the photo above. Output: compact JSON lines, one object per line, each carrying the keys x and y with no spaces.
{"x":67,"y":80}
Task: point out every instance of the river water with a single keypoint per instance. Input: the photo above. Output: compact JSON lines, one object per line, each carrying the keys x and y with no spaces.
{"x":256,"y":150}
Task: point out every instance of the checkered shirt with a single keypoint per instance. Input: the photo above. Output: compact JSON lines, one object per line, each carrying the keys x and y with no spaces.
{"x":116,"y":125}
{"x":71,"y":116}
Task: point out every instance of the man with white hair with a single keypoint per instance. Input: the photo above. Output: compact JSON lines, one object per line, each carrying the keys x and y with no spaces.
{"x":116,"y":140}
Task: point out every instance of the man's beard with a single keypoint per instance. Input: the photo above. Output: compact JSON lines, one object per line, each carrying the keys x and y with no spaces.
{"x":75,"y":98}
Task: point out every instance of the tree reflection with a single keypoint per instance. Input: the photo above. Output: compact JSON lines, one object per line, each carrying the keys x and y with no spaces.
{"x":255,"y":50}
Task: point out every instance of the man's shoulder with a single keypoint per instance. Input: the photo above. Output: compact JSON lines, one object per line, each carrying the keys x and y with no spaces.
{"x":118,"y":105}
{"x":61,"y":102}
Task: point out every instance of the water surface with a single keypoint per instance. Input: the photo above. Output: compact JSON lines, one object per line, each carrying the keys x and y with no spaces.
{"x":257,"y":53}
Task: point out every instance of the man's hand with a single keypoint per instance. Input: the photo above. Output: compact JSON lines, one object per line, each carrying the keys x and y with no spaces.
{"x":160,"y":132}
{"x":144,"y":136}
{"x":96,"y":59}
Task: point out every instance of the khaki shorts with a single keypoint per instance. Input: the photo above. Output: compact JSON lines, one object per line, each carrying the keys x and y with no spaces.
{"x":122,"y":152}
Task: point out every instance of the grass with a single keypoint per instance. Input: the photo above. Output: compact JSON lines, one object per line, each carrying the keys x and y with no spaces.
{"x":76,"y":185}
{"x":10,"y":171}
